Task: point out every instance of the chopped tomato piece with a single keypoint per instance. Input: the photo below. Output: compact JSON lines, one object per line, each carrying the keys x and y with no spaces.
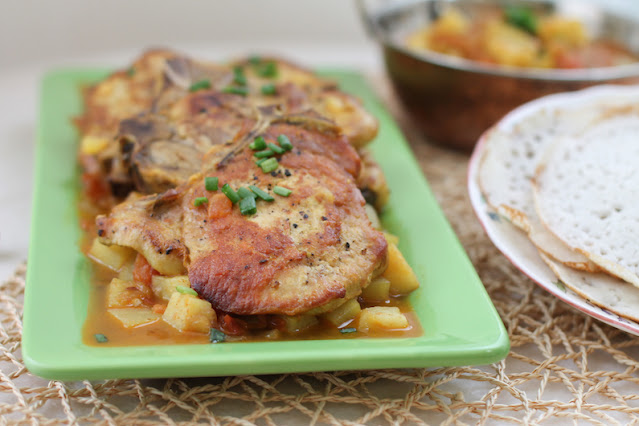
{"x":142,"y":271}
{"x":232,"y":326}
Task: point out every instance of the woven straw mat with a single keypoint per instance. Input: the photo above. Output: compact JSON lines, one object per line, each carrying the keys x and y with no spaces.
{"x":563,"y":368}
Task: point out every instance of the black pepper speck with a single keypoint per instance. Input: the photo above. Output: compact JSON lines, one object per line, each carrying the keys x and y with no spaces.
{"x":287,"y":173}
{"x":347,"y":245}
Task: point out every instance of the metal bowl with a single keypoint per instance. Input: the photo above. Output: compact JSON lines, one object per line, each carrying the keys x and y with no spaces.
{"x":453,"y":100}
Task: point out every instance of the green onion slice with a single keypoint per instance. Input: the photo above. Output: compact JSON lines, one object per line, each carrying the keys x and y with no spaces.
{"x":245,"y":192}
{"x":130,"y":72}
{"x":268,"y":69}
{"x":269,"y":89}
{"x":216,"y":336}
{"x":269,"y":165}
{"x":210,"y":183}
{"x":236,"y":90}
{"x":347,"y":330}
{"x":100,"y":338}
{"x":258,"y":144}
{"x":264,"y":154}
{"x":185,"y":290}
{"x":200,"y":85}
{"x":254,"y":60}
{"x":522,"y":18}
{"x":261,"y":193}
{"x":230,"y":194}
{"x":284,"y":192}
{"x":275,"y":148}
{"x":199,"y":201}
{"x":248,"y":206}
{"x":260,"y":161}
{"x":238,"y":76}
{"x":285,"y":142}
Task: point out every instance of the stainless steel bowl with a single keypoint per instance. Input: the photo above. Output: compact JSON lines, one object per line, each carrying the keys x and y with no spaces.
{"x":454,"y":100}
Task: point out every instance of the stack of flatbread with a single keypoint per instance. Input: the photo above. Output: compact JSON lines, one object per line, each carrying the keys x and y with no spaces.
{"x":565,"y":170}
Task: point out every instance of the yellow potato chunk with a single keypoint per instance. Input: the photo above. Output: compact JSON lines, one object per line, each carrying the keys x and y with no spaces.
{"x":401,"y":276}
{"x":378,"y":290}
{"x":382,"y":317}
{"x":188,"y":313}
{"x":561,"y":30}
{"x":92,"y":145}
{"x":111,"y":256}
{"x":390,"y":238}
{"x":127,"y":294}
{"x":164,"y":287}
{"x":298,"y":323}
{"x":509,"y":45}
{"x":134,"y":317}
{"x":343,"y":313}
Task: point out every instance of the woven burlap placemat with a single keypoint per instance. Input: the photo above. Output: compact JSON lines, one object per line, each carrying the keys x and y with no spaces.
{"x":564,"y":367}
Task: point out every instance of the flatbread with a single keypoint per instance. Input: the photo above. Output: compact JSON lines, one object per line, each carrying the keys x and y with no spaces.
{"x":586,"y":190}
{"x":507,"y":168}
{"x":603,"y":290}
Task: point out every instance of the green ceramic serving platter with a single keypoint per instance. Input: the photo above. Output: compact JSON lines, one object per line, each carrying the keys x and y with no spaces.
{"x":460,"y":324}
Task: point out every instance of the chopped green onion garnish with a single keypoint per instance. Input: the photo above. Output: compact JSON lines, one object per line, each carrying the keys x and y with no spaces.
{"x":261,"y":193}
{"x":200,"y":85}
{"x":231,"y":195}
{"x":275,"y":148}
{"x":522,"y":18}
{"x":199,"y":201}
{"x":258,"y":143}
{"x":284,"y":192}
{"x":269,"y":89}
{"x":130,"y":72}
{"x":236,"y":90}
{"x":268,"y":69}
{"x":100,"y":338}
{"x":185,"y":290}
{"x":210,"y":183}
{"x":264,"y":154}
{"x":248,"y":206}
{"x":269,"y":165}
{"x":216,"y":336}
{"x":347,"y":330}
{"x":238,"y":76}
{"x":285,"y":142}
{"x":260,"y":161}
{"x":254,"y":60}
{"x":245,"y":192}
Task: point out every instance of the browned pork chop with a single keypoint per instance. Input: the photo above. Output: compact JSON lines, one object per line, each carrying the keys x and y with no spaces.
{"x":297,"y":254}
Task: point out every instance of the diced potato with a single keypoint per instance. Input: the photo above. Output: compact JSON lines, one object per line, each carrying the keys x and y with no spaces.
{"x":164,"y":287}
{"x":509,"y":45}
{"x":188,"y":313}
{"x":112,"y":256}
{"x":343,"y":313}
{"x":382,"y":317}
{"x":390,"y":238}
{"x":561,"y":30}
{"x":378,"y":290}
{"x":133,"y":317}
{"x":295,"y":324}
{"x":373,"y":217}
{"x":127,"y":294}
{"x":126,"y":271}
{"x":401,"y":276}
{"x":91,"y":145}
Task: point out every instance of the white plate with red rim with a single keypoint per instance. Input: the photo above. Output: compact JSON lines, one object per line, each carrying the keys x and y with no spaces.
{"x":510,"y":240}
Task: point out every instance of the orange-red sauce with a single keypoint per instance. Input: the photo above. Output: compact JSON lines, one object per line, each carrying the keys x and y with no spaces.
{"x":100,"y":322}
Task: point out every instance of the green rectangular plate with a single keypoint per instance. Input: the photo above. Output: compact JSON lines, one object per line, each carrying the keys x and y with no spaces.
{"x":460,"y":324}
